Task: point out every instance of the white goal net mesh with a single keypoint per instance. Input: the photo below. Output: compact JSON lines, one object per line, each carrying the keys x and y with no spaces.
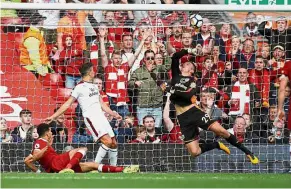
{"x":42,"y":51}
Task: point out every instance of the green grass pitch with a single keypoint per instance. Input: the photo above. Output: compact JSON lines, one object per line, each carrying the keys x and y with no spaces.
{"x":145,"y":180}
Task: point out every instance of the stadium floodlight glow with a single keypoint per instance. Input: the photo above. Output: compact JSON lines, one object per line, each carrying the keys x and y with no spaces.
{"x":138,"y":7}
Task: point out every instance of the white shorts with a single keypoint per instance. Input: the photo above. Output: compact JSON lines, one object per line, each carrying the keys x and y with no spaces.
{"x":99,"y":126}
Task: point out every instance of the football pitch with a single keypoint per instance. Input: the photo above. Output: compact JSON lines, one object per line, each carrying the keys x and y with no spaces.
{"x":145,"y":180}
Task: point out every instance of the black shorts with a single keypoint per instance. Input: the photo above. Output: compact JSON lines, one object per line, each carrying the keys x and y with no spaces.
{"x":190,"y":121}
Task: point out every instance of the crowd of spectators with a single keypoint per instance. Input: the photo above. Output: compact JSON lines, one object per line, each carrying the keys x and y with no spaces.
{"x":237,"y":76}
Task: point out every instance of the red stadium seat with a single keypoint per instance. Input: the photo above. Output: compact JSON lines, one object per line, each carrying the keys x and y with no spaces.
{"x":61,"y":94}
{"x":53,"y":80}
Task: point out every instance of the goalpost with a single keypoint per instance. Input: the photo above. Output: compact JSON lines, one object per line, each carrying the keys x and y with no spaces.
{"x":20,"y":89}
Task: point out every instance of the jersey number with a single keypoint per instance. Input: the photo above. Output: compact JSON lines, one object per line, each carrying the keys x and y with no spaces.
{"x":205,"y":118}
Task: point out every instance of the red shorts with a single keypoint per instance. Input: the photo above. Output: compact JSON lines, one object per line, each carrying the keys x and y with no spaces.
{"x":61,"y":161}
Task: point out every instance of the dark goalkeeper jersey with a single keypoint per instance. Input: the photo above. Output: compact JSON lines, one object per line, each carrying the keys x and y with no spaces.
{"x":183,"y":88}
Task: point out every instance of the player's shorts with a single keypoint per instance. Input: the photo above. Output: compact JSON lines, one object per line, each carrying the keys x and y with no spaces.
{"x":191,"y":120}
{"x":99,"y":126}
{"x":60,"y":162}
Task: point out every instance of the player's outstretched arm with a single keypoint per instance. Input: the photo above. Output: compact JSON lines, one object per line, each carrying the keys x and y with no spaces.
{"x":166,"y":114}
{"x":62,"y":109}
{"x":30,"y":159}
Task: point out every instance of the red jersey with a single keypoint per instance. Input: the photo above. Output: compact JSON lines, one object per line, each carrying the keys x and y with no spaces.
{"x":176,"y":44}
{"x":48,"y":156}
{"x":287,"y":72}
{"x":175,"y":135}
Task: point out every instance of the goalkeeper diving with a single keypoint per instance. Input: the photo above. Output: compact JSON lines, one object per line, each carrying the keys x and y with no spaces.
{"x":68,"y":162}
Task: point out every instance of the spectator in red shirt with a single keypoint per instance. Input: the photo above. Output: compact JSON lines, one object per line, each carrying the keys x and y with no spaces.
{"x":154,"y":134}
{"x":208,"y":76}
{"x":174,"y":37}
{"x":70,"y":61}
{"x":141,"y":134}
{"x":260,"y":77}
{"x":277,"y":63}
{"x":119,"y":22}
{"x":246,"y":57}
{"x":156,"y":22}
{"x":99,"y":82}
{"x":116,"y":76}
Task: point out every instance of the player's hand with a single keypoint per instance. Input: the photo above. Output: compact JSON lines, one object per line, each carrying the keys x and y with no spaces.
{"x":49,"y":119}
{"x":281,"y":114}
{"x":117,"y":116}
{"x":168,"y":32}
{"x":146,"y":34}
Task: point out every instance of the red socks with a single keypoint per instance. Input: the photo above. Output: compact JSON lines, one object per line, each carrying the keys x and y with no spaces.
{"x":109,"y":169}
{"x":75,"y":160}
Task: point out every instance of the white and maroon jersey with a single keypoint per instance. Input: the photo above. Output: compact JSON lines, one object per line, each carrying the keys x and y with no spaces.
{"x":88,"y":96}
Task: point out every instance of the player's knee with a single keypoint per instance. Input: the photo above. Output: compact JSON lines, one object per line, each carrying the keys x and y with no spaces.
{"x":195,"y":152}
{"x":114,"y":145}
{"x":108,"y":142}
{"x":223,"y":133}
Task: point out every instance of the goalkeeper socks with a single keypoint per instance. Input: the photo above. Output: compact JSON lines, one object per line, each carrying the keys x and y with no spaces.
{"x":76,"y":159}
{"x":208,"y":146}
{"x":109,"y":169}
{"x":112,"y":155}
{"x":101,"y":153}
{"x":233,"y":141}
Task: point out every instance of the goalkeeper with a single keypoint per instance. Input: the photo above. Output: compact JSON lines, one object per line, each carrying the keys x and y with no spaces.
{"x":68,"y":162}
{"x":190,"y":116}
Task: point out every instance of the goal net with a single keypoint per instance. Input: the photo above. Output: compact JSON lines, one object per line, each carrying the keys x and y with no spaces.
{"x":243,"y":52}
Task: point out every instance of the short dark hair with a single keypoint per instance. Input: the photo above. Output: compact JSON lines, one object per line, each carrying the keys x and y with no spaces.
{"x":24,"y":111}
{"x":148,"y":116}
{"x":42,"y":129}
{"x":84,"y":69}
{"x":149,"y":51}
{"x":259,"y":56}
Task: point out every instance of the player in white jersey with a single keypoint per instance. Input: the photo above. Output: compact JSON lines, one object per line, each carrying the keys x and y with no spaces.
{"x":88,"y":96}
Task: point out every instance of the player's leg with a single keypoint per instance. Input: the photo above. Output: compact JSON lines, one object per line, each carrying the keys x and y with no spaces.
{"x":75,"y":156}
{"x":189,"y":127}
{"x":222,"y":132}
{"x":108,"y":141}
{"x":104,"y":148}
{"x":112,"y":152}
{"x":97,"y":126}
{"x":91,"y":166}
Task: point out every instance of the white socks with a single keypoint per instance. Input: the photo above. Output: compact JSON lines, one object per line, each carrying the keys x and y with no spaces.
{"x":101,"y":153}
{"x":112,"y":155}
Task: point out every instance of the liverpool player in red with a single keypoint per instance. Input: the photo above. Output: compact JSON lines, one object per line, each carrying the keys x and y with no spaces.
{"x":68,"y":162}
{"x":284,"y":81}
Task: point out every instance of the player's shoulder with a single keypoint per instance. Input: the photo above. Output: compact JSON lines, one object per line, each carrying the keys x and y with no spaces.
{"x":39,"y":144}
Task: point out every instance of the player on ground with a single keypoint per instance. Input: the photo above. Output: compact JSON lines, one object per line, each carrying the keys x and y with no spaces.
{"x":284,"y":81}
{"x":90,"y":100}
{"x":190,"y":116}
{"x":68,"y":162}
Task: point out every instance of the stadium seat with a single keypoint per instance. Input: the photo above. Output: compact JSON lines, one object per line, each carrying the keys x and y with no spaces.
{"x":61,"y":94}
{"x":53,"y":80}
